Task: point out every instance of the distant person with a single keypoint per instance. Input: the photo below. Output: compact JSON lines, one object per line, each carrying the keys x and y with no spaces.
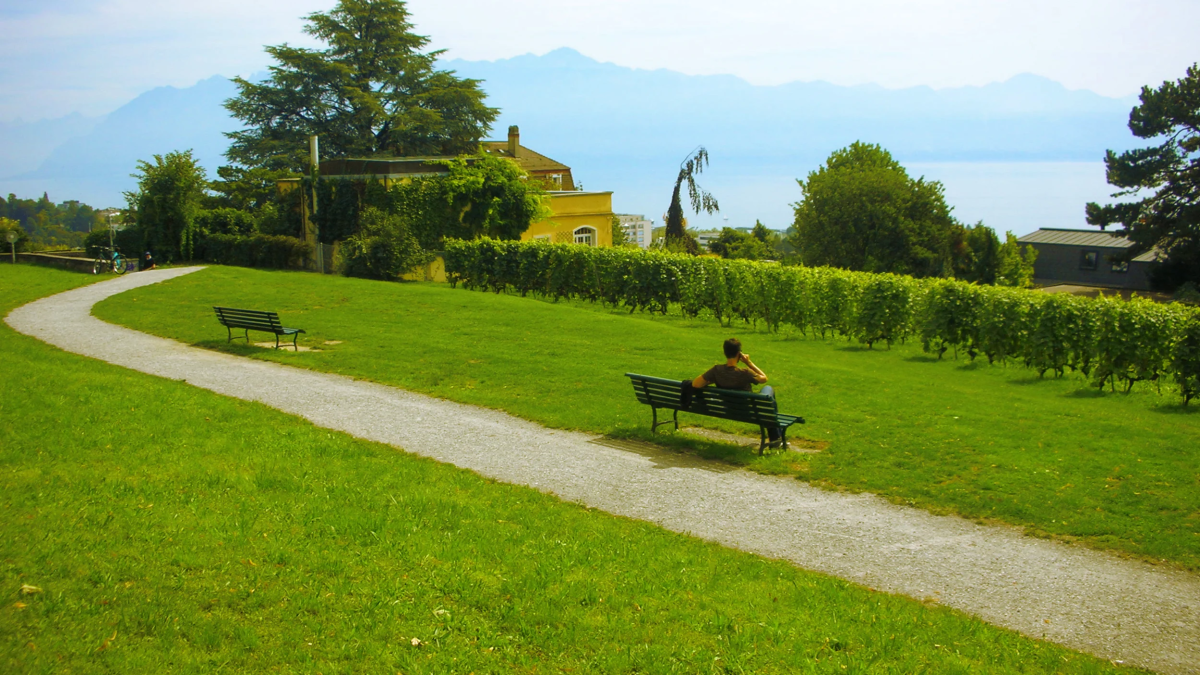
{"x":147,"y":261}
{"x":728,"y":376}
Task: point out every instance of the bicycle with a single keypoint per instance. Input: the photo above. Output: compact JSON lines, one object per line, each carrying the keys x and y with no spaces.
{"x":110,"y":259}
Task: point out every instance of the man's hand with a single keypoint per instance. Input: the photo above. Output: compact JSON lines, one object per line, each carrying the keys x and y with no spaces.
{"x":744,"y":357}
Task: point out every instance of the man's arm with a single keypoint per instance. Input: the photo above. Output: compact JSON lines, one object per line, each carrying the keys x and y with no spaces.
{"x":700,"y":382}
{"x":759,"y":376}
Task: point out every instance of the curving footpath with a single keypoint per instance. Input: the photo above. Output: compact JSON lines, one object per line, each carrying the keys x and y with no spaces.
{"x":1114,"y":608}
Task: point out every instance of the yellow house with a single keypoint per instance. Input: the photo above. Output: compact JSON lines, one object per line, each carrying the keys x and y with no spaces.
{"x":577,"y":218}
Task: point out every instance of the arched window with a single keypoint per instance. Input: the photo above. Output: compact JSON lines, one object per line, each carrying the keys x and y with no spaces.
{"x":585,"y":235}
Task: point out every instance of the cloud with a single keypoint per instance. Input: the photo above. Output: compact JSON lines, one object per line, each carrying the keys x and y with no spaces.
{"x":91,"y":56}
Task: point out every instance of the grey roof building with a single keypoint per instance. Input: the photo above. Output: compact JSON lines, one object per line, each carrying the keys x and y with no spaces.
{"x":1088,"y":258}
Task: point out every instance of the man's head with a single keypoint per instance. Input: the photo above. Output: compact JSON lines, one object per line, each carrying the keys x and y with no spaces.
{"x":733,"y":347}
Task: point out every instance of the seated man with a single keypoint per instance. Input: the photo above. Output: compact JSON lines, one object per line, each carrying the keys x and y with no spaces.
{"x":728,"y":376}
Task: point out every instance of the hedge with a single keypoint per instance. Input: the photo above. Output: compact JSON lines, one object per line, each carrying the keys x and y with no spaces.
{"x":1109,"y":340}
{"x":255,"y":250}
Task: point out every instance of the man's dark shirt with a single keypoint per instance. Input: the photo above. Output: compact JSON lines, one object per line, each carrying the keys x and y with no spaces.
{"x":727,"y":377}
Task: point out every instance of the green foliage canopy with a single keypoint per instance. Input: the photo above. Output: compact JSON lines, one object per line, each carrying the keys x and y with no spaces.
{"x":477,"y":197}
{"x":371,"y":92}
{"x":383,"y":248}
{"x":861,"y":211}
{"x":1168,"y":219}
{"x":760,"y":243}
{"x":168,"y":199}
{"x":44,"y":224}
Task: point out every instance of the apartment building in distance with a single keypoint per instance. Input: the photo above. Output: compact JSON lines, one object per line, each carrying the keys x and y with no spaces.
{"x":637,"y":229}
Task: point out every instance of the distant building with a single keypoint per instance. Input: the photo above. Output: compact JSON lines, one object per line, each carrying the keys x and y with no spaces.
{"x":1087,"y":258}
{"x":707,"y":237}
{"x":638,"y":230}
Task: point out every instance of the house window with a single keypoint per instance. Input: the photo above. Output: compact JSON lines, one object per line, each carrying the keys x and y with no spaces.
{"x":585,"y":235}
{"x":1120,"y":267}
{"x":556,"y":178}
{"x":1089,"y":260}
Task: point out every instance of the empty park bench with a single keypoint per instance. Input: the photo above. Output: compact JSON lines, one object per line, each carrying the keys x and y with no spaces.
{"x":253,"y":319}
{"x":726,"y":404}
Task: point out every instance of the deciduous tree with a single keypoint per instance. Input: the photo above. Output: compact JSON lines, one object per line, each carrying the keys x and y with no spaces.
{"x":861,"y":211}
{"x":170,"y":192}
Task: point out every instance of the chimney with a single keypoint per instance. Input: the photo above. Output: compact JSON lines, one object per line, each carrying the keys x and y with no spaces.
{"x":514,"y":140}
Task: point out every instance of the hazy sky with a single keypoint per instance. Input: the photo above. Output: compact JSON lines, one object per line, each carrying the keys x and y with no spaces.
{"x":91,"y":56}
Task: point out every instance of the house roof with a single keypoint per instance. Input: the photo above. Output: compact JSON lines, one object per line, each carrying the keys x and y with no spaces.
{"x":1092,"y":238}
{"x":528,"y":159}
{"x":1048,"y":235}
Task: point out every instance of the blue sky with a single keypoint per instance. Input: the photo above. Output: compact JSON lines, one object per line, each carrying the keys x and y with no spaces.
{"x":91,"y":56}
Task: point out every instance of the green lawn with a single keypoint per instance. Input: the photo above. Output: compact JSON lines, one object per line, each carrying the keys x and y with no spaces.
{"x":168,"y":529}
{"x":992,"y":443}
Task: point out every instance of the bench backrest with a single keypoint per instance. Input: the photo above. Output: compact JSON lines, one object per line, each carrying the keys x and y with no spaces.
{"x":742,"y":406}
{"x":248,"y":318}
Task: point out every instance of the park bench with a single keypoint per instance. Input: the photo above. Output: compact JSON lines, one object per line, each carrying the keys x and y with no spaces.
{"x":253,"y":319}
{"x":726,"y":404}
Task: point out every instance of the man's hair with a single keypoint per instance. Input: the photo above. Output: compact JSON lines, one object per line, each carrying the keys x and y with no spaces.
{"x":733,"y":347}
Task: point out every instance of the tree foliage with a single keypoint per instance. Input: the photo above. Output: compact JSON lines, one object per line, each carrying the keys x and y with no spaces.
{"x":760,"y":243}
{"x":861,"y":211}
{"x":692,"y":166}
{"x":44,"y":224}
{"x":1169,"y":218}
{"x":485,"y":196}
{"x":169,"y":198}
{"x":383,"y":248}
{"x":371,"y":91}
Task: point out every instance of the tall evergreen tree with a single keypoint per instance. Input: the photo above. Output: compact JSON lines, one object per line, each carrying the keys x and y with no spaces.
{"x":371,"y":91}
{"x":1168,"y":219}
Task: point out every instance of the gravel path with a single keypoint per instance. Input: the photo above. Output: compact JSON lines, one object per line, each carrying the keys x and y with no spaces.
{"x":1115,"y":608}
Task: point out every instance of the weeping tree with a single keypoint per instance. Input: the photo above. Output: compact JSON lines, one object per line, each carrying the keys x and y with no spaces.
{"x":701,"y":201}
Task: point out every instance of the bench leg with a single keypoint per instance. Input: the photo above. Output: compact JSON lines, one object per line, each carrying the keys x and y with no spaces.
{"x":762,"y":440}
{"x":277,"y":341}
{"x":230,"y":331}
{"x":655,"y":424}
{"x":294,"y":346}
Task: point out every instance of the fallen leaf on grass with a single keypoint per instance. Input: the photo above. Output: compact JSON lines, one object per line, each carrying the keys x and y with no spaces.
{"x":20,"y":605}
{"x":108,"y":641}
{"x":26,"y":589}
{"x":416,"y":642}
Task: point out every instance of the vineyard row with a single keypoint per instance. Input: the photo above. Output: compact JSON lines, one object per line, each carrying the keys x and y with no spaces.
{"x":1111,"y":341}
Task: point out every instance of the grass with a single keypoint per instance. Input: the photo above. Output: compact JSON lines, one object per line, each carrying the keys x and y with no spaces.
{"x":168,"y":529}
{"x":1119,"y":472}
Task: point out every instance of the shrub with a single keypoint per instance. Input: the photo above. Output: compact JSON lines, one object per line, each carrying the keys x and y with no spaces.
{"x":256,"y":250}
{"x":382,"y":249}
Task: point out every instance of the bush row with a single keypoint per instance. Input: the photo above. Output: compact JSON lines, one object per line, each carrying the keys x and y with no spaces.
{"x":254,"y":250}
{"x":1112,"y":341}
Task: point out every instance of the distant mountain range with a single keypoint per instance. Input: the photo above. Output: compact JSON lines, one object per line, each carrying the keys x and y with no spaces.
{"x":619,"y":128}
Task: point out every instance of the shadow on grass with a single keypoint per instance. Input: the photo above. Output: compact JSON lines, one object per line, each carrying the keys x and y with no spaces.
{"x":924,"y":358}
{"x":1176,"y":408}
{"x":1087,"y":392}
